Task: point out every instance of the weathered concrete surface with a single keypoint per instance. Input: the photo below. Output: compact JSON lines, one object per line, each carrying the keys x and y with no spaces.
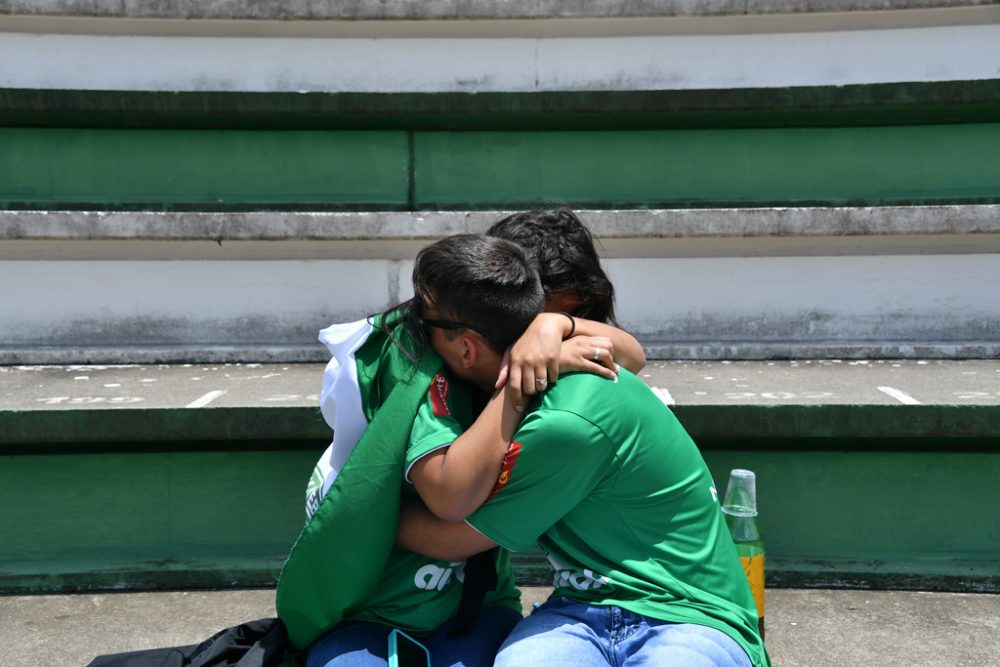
{"x":920,"y":382}
{"x":805,"y":628}
{"x":811,"y":222}
{"x":167,"y":309}
{"x":223,"y":385}
{"x":133,"y":287}
{"x":453,"y":9}
{"x":659,"y":53}
{"x":467,"y":46}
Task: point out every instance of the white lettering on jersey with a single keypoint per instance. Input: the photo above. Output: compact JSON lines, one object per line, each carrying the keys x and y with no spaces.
{"x":314,"y":492}
{"x":565,"y":576}
{"x":715,"y":493}
{"x":431,"y":577}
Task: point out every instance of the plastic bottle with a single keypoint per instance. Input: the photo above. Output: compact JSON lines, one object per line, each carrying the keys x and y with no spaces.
{"x":740,"y":510}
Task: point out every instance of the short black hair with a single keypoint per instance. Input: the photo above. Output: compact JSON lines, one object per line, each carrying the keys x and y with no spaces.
{"x":563,"y":249}
{"x":478,"y":282}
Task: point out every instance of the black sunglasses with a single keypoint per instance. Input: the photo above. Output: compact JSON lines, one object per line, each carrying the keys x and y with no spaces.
{"x":450,"y":325}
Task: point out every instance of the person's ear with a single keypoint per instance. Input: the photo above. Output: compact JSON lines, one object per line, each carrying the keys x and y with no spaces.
{"x":470,"y":349}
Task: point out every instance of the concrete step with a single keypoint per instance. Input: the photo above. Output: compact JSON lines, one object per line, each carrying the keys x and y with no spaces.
{"x":741,"y":283}
{"x":821,"y":384}
{"x":862,"y":468}
{"x":805,"y":628}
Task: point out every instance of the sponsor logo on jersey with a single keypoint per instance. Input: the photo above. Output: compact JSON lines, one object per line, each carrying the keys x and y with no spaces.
{"x":434,"y":577}
{"x":564,"y":576}
{"x":439,"y":395}
{"x":507,"y":468}
{"x":314,"y":489}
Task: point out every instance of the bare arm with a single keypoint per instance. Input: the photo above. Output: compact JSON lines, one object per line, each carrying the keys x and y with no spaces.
{"x":543,"y":352}
{"x":422,"y":532}
{"x":454,"y":481}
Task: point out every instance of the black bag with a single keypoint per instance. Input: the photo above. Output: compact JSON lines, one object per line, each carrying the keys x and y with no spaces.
{"x":262,"y":643}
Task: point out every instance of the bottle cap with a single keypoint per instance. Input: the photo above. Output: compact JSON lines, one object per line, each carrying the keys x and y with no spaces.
{"x":741,"y":493}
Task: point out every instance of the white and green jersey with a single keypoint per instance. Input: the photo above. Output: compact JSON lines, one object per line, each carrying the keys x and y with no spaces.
{"x":604,"y":478}
{"x":416,"y":593}
{"x":341,"y":404}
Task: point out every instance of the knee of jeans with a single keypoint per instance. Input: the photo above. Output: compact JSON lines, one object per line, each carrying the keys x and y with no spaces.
{"x":354,"y":644}
{"x":554,"y":642}
{"x":713,"y":646}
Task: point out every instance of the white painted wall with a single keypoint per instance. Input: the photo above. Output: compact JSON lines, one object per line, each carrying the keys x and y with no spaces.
{"x":800,"y":57}
{"x":272,"y":309}
{"x":700,"y":283}
{"x":717,"y":300}
{"x":112,"y":304}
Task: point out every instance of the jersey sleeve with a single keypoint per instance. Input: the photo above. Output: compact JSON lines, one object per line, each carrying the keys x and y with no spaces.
{"x":435,"y":426}
{"x":555,"y":461}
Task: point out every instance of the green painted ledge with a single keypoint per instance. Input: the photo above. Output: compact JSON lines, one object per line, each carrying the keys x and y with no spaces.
{"x":872,"y":496}
{"x":752,"y":167}
{"x":226,"y":429}
{"x":164,"y":168}
{"x":920,"y":427}
{"x":858,"y":104}
{"x":874,"y":144}
{"x":208,"y":170}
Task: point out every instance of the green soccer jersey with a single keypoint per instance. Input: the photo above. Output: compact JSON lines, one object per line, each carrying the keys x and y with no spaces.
{"x":613,"y":489}
{"x":416,"y":593}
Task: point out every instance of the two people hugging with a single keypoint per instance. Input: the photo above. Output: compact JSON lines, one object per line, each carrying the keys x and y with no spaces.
{"x":496,"y":411}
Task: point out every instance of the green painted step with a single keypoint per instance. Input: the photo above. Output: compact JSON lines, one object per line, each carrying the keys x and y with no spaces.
{"x":860,"y":491}
{"x":52,"y":168}
{"x":208,"y":168}
{"x":213,"y":497}
{"x":699,"y":167}
{"x":800,"y":106}
{"x":776,"y":426}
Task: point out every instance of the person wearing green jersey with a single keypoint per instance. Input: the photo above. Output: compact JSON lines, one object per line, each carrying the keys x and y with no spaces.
{"x":601,"y":475}
{"x":419,"y":594}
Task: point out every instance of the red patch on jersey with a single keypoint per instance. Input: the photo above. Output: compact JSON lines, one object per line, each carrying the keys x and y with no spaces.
{"x":507,"y":468}
{"x":439,"y":396}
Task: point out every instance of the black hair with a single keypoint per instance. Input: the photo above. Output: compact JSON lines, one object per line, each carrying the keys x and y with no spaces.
{"x":477,"y":282}
{"x":564,"y":252}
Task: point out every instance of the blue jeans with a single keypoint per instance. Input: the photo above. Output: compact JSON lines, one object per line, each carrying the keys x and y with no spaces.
{"x":365,"y":643}
{"x":562,"y":632}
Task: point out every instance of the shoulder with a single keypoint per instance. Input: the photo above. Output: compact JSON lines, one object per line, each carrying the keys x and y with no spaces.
{"x":593,"y":403}
{"x":559,"y":427}
{"x":438,"y":393}
{"x":448,"y":396}
{"x":445,"y":391}
{"x":581,"y":392}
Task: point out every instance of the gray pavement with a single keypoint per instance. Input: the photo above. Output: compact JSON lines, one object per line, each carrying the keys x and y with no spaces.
{"x":810,"y":382}
{"x":809,"y":628}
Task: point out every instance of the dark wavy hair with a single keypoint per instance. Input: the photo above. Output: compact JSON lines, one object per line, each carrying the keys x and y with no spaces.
{"x":563,"y":249}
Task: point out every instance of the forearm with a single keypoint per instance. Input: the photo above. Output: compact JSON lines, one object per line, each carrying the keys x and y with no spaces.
{"x":454,"y":481}
{"x":423,"y":533}
{"x":628,"y":350}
